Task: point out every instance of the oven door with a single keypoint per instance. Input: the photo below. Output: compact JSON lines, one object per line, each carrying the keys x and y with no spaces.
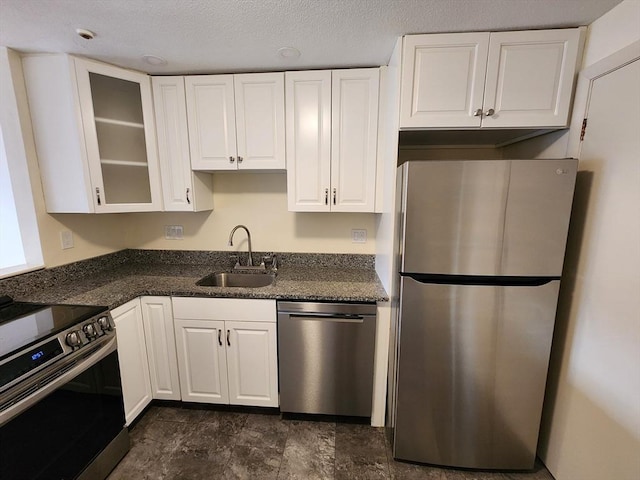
{"x":57,"y":431}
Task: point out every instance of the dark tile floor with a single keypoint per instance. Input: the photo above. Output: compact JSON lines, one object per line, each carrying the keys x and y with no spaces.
{"x":191,"y":444}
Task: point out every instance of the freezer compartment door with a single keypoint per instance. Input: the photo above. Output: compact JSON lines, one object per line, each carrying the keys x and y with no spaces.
{"x":471,"y":376}
{"x":486,"y":217}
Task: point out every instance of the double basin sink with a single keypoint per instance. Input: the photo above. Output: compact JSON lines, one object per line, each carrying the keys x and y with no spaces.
{"x":246,"y":280}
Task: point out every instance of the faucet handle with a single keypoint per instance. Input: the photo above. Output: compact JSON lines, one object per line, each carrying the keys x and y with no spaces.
{"x":235,"y":258}
{"x":270,"y":259}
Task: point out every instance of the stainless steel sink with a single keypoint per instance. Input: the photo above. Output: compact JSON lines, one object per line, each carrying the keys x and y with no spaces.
{"x":247,"y":280}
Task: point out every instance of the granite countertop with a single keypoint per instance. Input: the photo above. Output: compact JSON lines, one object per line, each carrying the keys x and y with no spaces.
{"x":116,"y":284}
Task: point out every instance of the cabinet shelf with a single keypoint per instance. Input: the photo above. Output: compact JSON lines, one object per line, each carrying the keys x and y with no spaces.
{"x":125,"y":163}
{"x":121,"y":123}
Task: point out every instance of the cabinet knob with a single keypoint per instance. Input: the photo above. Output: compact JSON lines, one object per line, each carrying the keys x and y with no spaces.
{"x":326,"y":196}
{"x":188,"y":199}
{"x":489,"y":112}
{"x":334,"y":196}
{"x":477,"y":113}
{"x":220,"y":337}
{"x":231,"y":159}
{"x":98,"y":196}
{"x":228,"y":340}
{"x":239,"y":159}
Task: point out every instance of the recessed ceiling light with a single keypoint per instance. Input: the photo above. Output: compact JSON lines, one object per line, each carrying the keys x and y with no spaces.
{"x":154,"y":60}
{"x":288,"y":52}
{"x":86,"y":34}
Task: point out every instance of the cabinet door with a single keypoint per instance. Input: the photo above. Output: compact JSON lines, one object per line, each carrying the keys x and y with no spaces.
{"x":308,"y":101}
{"x":260,"y":120}
{"x":443,"y":80}
{"x":132,"y":356}
{"x":120,"y":136}
{"x":354,"y":138}
{"x":161,"y":347}
{"x":182,"y":189}
{"x":530,"y":78}
{"x":211,"y":119}
{"x":252,"y":363}
{"x":202,"y":363}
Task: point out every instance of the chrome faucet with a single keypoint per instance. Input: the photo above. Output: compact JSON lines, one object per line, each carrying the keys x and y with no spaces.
{"x":250,"y":261}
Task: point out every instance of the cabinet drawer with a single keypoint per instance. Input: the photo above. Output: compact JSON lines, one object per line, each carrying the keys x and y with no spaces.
{"x":241,"y":309}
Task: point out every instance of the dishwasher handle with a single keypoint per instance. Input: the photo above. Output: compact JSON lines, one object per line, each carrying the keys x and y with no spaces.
{"x":329,"y":317}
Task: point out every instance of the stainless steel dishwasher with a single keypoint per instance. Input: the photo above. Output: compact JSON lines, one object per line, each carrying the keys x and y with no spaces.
{"x":325,"y":357}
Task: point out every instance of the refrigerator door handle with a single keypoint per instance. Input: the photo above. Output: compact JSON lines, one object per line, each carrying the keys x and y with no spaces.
{"x":481,"y":280}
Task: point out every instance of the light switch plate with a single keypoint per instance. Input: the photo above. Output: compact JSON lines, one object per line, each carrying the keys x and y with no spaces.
{"x":358,"y":236}
{"x":66,"y":239}
{"x":173,"y":232}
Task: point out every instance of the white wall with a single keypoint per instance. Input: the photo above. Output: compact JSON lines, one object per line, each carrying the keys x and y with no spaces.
{"x":259,"y":201}
{"x":591,"y":425}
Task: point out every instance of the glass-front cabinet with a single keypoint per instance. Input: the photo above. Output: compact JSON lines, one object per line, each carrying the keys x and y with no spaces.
{"x":117,"y":116}
{"x":95,"y":135}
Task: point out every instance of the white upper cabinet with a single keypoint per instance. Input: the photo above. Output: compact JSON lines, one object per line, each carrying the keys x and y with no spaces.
{"x":332,"y":124}
{"x":95,"y":135}
{"x":530,"y":78}
{"x":260,"y":121}
{"x":354,"y":139}
{"x":443,"y":79}
{"x":236,"y":121}
{"x":488,"y":80}
{"x":182,"y":189}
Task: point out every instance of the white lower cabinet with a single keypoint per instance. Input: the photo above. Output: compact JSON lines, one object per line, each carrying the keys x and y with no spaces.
{"x":202,"y":361}
{"x":227,"y":350}
{"x":132,"y":356}
{"x":157,"y":318}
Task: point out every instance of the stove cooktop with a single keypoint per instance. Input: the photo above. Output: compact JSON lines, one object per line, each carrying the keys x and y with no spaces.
{"x":23,"y":324}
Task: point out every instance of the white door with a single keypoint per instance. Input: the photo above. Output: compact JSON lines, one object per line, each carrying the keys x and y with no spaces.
{"x":354,"y":138}
{"x":161,"y":347}
{"x":260,"y":121}
{"x":530,"y":78}
{"x":443,"y":80}
{"x":600,"y":371}
{"x":252,"y":363}
{"x":173,"y":143}
{"x":120,"y":136}
{"x":202,"y":363}
{"x":211,"y":119}
{"x":132,"y":356}
{"x":308,"y":123}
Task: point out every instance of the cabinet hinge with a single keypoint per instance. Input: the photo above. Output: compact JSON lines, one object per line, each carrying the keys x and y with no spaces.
{"x":583,"y":130}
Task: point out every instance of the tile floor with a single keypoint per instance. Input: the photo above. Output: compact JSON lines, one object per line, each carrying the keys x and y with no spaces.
{"x":192,"y":444}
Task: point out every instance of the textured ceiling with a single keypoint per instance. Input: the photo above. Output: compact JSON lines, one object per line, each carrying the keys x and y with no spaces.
{"x":209,"y":36}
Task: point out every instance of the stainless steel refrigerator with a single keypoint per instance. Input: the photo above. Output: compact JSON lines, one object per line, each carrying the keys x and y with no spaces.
{"x":482,"y":246}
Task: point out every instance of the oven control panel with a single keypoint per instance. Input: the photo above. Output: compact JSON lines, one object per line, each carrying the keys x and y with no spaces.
{"x":36,"y":357}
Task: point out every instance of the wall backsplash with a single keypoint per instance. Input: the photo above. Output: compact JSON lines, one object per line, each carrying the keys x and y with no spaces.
{"x":259,"y":201}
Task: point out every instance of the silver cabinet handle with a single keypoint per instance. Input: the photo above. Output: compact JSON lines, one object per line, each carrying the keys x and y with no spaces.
{"x":489,"y":112}
{"x":220,"y":337}
{"x":228,"y":340}
{"x":334,"y":196}
{"x":239,"y":159}
{"x":231,"y":159}
{"x":98,"y":196}
{"x":477,"y":113}
{"x":188,"y":199}
{"x":326,"y":196}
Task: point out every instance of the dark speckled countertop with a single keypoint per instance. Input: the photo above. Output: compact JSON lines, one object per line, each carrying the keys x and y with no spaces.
{"x":114,"y":279}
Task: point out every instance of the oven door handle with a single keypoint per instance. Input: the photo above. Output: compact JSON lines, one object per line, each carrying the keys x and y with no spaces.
{"x":13,"y":410}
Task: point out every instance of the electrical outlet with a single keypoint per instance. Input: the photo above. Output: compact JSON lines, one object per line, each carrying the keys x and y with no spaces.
{"x":358,"y":236}
{"x":173,"y":232}
{"x":66,"y":239}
